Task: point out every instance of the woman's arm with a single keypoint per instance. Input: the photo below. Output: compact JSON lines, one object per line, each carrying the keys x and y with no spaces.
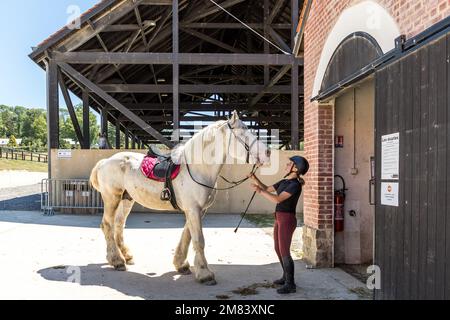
{"x":272,"y":197}
{"x":258,"y":182}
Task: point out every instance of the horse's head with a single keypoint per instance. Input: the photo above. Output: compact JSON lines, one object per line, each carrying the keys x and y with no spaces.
{"x":245,"y":146}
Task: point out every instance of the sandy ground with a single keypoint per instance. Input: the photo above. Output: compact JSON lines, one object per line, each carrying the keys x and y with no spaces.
{"x":12,"y":179}
{"x":63,"y":257}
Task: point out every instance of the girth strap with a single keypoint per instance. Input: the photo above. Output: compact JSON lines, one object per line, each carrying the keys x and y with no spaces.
{"x":168,"y":193}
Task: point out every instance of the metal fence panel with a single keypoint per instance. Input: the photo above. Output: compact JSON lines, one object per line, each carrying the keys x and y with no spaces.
{"x":69,"y":196}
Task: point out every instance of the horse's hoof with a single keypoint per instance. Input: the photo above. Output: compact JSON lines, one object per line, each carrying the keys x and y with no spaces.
{"x":130,"y":262}
{"x":185,"y":271}
{"x":209,"y":280}
{"x":212,"y":282}
{"x":120,"y":267}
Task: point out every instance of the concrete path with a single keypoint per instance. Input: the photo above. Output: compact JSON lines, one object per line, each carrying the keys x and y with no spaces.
{"x":11,"y":179}
{"x":40,"y":256}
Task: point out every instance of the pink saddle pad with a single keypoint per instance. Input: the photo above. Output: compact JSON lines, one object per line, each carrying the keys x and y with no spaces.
{"x":149,"y":163}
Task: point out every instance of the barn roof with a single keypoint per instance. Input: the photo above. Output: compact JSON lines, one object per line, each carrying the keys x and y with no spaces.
{"x":145,"y":26}
{"x":67,"y":31}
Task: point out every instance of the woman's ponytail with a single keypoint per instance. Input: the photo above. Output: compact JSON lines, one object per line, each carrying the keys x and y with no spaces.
{"x":300,"y":179}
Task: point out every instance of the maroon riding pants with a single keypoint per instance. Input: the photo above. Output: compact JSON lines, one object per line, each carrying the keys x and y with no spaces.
{"x":285,"y":225}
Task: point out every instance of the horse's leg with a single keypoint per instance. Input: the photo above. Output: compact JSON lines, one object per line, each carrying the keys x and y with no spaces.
{"x":114,"y":255}
{"x":202,"y":272}
{"x":180,"y":262}
{"x":122,"y":214}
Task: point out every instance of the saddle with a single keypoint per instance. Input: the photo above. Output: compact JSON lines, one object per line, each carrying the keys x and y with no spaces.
{"x":158,"y":153}
{"x":158,"y":166}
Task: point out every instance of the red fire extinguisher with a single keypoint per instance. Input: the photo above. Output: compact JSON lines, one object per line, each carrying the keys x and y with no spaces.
{"x":339,"y":206}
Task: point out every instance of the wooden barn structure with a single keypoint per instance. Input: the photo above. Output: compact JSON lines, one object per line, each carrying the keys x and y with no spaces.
{"x":152,"y":67}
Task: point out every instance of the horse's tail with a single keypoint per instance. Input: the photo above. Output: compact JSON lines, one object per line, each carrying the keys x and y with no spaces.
{"x":94,"y":176}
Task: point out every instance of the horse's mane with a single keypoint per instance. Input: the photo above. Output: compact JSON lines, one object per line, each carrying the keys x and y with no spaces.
{"x":206,"y":134}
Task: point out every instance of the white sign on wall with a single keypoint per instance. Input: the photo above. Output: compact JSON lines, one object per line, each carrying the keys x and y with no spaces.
{"x":389,"y":194}
{"x":64,"y":154}
{"x":390,"y":157}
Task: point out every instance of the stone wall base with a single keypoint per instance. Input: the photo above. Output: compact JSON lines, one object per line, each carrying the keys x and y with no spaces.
{"x":318,"y":247}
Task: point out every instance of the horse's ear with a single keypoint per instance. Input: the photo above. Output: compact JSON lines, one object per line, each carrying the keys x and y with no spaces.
{"x":235,"y":117}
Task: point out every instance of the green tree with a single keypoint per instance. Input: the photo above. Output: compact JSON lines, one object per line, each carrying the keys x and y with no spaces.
{"x":21,"y":114}
{"x":67,"y":130}
{"x":9,"y":121}
{"x":12,"y":142}
{"x":34,"y":127}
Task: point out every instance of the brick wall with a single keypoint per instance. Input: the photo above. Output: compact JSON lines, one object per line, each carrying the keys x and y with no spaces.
{"x":412,"y":17}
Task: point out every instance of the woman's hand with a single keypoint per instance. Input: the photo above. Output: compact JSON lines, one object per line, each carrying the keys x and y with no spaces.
{"x":256,"y":188}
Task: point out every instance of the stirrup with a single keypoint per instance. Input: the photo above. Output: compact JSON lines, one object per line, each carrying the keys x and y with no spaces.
{"x":166,"y":195}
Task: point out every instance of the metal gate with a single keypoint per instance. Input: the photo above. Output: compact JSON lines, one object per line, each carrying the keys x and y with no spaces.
{"x":412,"y":224}
{"x":69,"y":196}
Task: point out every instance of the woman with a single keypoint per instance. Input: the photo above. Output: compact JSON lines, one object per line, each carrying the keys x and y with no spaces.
{"x":288,"y":192}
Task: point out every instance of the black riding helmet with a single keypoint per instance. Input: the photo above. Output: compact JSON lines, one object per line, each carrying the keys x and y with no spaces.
{"x":301,"y":163}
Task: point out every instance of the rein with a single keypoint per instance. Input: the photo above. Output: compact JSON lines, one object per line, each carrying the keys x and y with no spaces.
{"x":233,"y":183}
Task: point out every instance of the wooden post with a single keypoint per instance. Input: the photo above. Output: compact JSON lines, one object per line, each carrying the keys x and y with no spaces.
{"x":133,"y":142}
{"x":127,"y":139}
{"x":266,"y":44}
{"x":104,"y":126}
{"x":176,"y":71}
{"x":117,"y":133}
{"x":71,"y":109}
{"x":52,"y":105}
{"x":86,"y":129}
{"x":295,"y":19}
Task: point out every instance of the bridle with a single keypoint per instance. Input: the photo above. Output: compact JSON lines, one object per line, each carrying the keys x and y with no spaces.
{"x":247,"y":147}
{"x":234,"y":184}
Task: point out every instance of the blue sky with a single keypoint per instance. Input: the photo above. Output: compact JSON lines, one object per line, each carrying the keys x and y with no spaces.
{"x":24,"y":24}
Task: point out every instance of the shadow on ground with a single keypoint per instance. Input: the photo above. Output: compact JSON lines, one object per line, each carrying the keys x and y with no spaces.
{"x":172,"y":286}
{"x":25,"y":203}
{"x":135,"y":221}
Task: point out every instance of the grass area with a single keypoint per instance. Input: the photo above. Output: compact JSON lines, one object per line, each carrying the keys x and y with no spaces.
{"x":261,"y":220}
{"x":23,"y":165}
{"x":267,"y":220}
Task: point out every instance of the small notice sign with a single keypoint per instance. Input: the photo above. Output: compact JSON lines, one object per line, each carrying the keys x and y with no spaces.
{"x":64,"y":154}
{"x":389,"y":194}
{"x":390,"y":157}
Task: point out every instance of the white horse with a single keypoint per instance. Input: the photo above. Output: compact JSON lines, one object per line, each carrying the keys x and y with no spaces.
{"x":121,"y":184}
